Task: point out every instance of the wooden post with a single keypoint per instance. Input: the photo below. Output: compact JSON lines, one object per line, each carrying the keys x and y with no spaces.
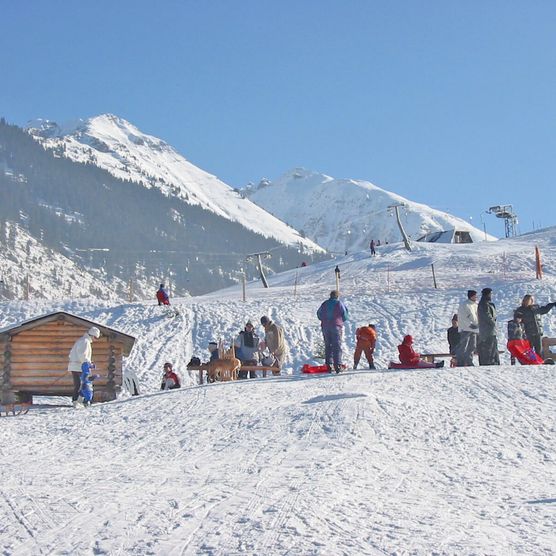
{"x":110,"y":383}
{"x":434,"y":277}
{"x":538,"y":263}
{"x":244,"y":286}
{"x":337,"y":272}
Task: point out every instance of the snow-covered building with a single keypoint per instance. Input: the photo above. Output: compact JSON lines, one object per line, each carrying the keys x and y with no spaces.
{"x":453,"y":236}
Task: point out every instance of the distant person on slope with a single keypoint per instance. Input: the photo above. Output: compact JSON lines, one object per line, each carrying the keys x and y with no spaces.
{"x":275,"y":342}
{"x":372,"y":247}
{"x":531,"y":314}
{"x":468,"y":324}
{"x":365,"y":343}
{"x":81,"y":352}
{"x":332,"y":314}
{"x":162,"y":296}
{"x":488,"y":343}
{"x":409,"y":357}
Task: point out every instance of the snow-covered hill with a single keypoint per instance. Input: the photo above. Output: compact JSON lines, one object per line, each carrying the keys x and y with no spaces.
{"x":443,"y":461}
{"x":344,"y":214}
{"x":117,"y":146}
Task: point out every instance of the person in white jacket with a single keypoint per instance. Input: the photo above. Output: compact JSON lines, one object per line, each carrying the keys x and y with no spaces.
{"x":468,"y":324}
{"x":81,"y":352}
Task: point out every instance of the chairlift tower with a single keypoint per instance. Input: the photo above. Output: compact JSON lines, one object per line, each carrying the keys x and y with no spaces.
{"x":510,"y":218}
{"x":258,"y":257}
{"x":396,"y":208}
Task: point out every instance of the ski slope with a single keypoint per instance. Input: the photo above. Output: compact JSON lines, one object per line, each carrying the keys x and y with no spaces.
{"x":447,"y":461}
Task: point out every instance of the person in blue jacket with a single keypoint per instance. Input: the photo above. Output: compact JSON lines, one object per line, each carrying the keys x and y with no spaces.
{"x":332,"y":315}
{"x":87,"y":378}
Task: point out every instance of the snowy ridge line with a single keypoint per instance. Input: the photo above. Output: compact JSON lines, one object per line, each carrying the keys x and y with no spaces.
{"x":119,"y":147}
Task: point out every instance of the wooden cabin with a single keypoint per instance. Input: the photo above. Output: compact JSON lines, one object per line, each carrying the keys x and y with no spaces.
{"x":34,"y":358}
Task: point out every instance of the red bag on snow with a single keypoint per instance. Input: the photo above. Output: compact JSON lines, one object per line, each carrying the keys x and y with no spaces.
{"x":312,"y":369}
{"x":524,"y":353}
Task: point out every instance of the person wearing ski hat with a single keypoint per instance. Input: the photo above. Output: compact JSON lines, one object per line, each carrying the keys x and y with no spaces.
{"x":468,"y":324}
{"x":247,"y":348}
{"x":488,"y":342}
{"x":81,"y":352}
{"x":274,"y":341}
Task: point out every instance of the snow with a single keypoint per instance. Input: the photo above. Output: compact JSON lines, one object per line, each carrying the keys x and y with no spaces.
{"x":345,"y":214}
{"x":451,"y":461}
{"x":117,"y":146}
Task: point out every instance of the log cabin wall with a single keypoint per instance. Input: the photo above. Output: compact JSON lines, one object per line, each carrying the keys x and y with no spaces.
{"x":39,"y":360}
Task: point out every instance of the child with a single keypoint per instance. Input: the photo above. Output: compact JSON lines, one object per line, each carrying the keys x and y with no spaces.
{"x":170,"y":379}
{"x":409,"y":357}
{"x":213,"y":349}
{"x":87,"y":378}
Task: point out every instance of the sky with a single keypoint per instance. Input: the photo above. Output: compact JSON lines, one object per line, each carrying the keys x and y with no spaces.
{"x":446,"y":103}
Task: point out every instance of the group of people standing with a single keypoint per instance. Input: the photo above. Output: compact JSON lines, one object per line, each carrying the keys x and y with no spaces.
{"x":474,"y":328}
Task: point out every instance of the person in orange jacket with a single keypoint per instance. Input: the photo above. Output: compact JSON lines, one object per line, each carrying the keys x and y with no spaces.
{"x":366,"y":342}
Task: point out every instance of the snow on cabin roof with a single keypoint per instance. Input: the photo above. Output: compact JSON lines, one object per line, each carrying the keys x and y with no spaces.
{"x":127,"y":340}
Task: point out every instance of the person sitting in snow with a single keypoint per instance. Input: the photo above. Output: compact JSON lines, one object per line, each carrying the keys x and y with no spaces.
{"x":170,"y":379}
{"x":87,"y":390}
{"x":409,"y":357}
{"x":162,"y":296}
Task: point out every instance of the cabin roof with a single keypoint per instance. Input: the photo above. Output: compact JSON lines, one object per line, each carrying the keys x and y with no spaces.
{"x":126,"y":339}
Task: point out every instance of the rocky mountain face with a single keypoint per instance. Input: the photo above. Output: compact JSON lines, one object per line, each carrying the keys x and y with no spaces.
{"x":121,"y":231}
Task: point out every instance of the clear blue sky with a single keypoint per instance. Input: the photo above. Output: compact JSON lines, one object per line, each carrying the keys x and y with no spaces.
{"x":448,"y":103}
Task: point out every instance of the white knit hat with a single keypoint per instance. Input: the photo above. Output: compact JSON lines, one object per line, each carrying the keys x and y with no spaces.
{"x":94,"y":331}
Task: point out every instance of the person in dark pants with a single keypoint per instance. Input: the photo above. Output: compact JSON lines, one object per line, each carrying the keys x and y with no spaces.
{"x":332,"y":314}
{"x":488,"y":343}
{"x":531,"y":313}
{"x":453,"y":335}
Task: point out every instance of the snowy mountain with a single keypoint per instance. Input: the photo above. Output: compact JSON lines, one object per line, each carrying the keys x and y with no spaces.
{"x":134,"y":235}
{"x":117,"y":146}
{"x":344,"y":214}
{"x":440,"y":461}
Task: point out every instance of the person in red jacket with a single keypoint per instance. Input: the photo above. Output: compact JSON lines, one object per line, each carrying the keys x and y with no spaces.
{"x":162,"y":296}
{"x":409,"y":357}
{"x":366,"y":342}
{"x":170,"y":379}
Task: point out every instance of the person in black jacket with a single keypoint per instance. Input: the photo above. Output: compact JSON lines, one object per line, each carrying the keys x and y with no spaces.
{"x":453,"y":335}
{"x":530,"y":312}
{"x":488,"y":343}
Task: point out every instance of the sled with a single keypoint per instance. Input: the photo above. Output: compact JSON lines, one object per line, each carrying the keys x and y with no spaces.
{"x":395,"y":365}
{"x":524,"y":353}
{"x":14,"y":409}
{"x":314,"y":369}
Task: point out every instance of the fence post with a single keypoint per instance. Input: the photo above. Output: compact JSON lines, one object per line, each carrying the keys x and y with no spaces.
{"x":538,"y":263}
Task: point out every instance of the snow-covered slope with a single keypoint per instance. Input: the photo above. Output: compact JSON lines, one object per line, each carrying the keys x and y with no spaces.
{"x":27,"y":268}
{"x":344,"y":215}
{"x":116,"y":145}
{"x":447,"y":461}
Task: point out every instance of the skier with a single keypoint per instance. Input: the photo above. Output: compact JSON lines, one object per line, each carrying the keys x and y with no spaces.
{"x":372,"y":247}
{"x":488,"y":343}
{"x":247,"y":349}
{"x":87,"y":378}
{"x":274,"y":341}
{"x":170,"y":379}
{"x":162,"y":296}
{"x":408,"y":356}
{"x":468,"y":324}
{"x":530,"y":313}
{"x":81,"y":352}
{"x":332,"y":314}
{"x":366,"y":342}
